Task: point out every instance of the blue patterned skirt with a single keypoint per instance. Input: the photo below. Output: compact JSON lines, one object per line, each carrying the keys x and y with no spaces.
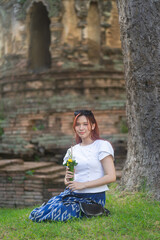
{"x":65,"y":206}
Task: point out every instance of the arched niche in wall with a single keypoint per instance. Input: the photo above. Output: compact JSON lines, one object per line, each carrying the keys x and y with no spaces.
{"x":39,"y":57}
{"x":93,"y":32}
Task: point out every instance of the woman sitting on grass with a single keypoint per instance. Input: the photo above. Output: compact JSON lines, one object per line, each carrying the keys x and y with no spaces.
{"x":94,"y":169}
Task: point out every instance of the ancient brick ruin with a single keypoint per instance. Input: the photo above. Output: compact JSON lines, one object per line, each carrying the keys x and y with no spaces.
{"x":58,"y":56}
{"x":23,"y":184}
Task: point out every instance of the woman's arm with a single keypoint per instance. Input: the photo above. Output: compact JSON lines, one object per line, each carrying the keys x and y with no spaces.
{"x":109,"y":176}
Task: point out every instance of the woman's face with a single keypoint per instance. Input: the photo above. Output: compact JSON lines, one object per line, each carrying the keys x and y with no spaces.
{"x":83,"y":128}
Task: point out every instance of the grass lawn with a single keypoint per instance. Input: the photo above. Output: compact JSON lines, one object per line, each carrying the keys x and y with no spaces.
{"x":133,"y":217}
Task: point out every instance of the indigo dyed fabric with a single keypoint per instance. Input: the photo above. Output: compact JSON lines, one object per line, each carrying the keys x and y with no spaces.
{"x":65,"y":206}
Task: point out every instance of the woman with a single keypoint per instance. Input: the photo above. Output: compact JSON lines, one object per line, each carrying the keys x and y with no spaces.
{"x":95,"y":169}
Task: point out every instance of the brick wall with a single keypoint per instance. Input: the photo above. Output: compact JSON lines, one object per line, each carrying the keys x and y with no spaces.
{"x":37,"y":102}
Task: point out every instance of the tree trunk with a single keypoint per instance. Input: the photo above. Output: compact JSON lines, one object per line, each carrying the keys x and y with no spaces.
{"x":140,"y":36}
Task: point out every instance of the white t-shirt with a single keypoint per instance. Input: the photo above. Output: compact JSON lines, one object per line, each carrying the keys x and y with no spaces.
{"x":89,"y":163}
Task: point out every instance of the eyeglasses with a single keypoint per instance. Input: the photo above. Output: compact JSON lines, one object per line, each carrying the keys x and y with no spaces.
{"x":83,"y":112}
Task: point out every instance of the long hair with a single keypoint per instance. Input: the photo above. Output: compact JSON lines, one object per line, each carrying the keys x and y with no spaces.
{"x":91,"y":119}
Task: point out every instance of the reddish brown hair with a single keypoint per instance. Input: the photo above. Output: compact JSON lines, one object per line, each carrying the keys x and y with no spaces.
{"x":92,"y":120}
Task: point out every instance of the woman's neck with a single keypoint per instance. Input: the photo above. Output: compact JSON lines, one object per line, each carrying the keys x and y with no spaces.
{"x":86,"y":142}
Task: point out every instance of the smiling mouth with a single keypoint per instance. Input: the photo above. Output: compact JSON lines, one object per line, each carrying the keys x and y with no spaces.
{"x":82,"y":133}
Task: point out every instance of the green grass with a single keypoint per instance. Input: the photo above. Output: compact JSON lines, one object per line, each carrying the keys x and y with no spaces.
{"x":133,"y":217}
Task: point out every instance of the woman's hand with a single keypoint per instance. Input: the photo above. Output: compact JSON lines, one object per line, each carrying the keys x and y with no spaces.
{"x":68,"y":175}
{"x":72,"y":185}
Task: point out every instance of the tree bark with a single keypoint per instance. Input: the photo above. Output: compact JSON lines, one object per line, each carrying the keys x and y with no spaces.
{"x":140,"y":36}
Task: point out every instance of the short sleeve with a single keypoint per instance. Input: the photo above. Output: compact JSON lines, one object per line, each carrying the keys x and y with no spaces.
{"x":105,"y":150}
{"x":66,"y":156}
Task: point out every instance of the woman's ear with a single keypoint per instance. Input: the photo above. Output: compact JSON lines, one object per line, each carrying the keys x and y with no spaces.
{"x":93,"y":126}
